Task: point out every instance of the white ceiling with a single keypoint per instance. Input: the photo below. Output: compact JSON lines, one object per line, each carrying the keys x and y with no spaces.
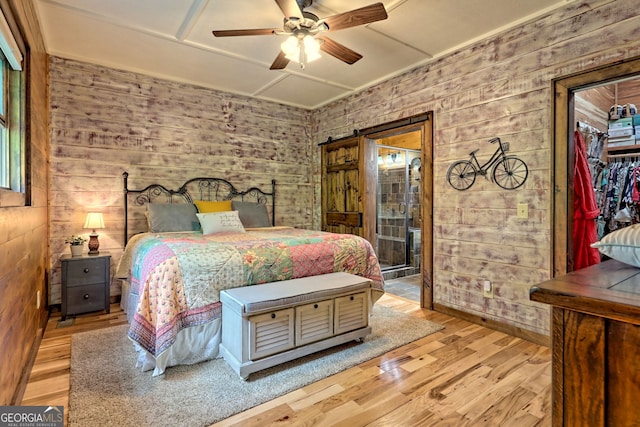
{"x":172,"y":39}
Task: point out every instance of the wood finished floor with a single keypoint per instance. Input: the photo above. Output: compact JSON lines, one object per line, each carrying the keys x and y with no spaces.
{"x":464,"y":375}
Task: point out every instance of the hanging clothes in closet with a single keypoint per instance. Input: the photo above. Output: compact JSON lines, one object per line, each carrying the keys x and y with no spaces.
{"x":595,"y":141}
{"x":585,"y":209}
{"x":618,"y":195}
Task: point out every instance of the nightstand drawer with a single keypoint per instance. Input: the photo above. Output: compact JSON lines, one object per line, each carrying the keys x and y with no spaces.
{"x":86,"y":272}
{"x":85,"y":283}
{"x":83,"y":299}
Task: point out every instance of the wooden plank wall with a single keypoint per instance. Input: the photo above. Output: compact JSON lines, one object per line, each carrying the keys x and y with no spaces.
{"x":500,"y":86}
{"x":105,"y":121}
{"x":628,"y":92}
{"x":23,"y":230}
{"x":592,"y":106}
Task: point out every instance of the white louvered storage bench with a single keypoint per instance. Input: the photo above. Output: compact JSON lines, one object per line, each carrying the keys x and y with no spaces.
{"x":272,"y":323}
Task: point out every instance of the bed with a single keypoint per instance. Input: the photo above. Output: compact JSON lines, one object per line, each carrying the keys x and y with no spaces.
{"x":194,"y":248}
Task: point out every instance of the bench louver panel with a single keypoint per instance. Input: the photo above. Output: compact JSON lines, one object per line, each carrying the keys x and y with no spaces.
{"x":271,"y":333}
{"x":314,"y":322}
{"x":351,"y":312}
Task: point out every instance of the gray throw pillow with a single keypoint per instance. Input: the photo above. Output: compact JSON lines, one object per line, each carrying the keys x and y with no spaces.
{"x":252,"y":215}
{"x":163,"y":217}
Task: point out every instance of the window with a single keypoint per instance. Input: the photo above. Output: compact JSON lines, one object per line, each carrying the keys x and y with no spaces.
{"x":12,"y":117}
{"x":4,"y":146}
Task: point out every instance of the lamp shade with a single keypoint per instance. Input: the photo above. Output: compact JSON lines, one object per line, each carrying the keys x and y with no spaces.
{"x":94,"y":220}
{"x":311,"y":48}
{"x":301,"y":49}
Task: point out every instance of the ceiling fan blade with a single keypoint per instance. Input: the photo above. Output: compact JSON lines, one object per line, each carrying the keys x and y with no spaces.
{"x":364,"y":15}
{"x":280,"y":62}
{"x":339,"y":51}
{"x":255,"y":32}
{"x":289,"y":8}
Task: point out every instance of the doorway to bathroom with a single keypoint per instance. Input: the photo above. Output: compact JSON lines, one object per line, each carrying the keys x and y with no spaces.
{"x":398,"y":207}
{"x":399,"y":163}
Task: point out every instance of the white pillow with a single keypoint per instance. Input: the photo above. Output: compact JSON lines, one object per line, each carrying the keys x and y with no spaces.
{"x":219,"y":222}
{"x":622,"y":245}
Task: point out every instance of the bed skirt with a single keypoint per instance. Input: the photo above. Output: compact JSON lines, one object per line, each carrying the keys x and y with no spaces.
{"x":128,"y":300}
{"x":193,"y":345}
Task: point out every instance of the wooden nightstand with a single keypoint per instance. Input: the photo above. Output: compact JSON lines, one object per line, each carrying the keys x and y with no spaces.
{"x":85,"y":283}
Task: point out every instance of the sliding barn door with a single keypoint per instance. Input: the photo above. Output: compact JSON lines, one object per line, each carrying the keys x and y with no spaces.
{"x":346,"y":190}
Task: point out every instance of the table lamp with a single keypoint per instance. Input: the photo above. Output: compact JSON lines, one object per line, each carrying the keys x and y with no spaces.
{"x":94,"y":221}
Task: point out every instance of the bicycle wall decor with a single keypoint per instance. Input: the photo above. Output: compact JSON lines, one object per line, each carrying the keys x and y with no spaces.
{"x":509,"y":172}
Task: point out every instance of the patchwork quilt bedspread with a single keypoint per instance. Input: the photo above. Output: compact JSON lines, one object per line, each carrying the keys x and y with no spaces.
{"x":179,"y":276}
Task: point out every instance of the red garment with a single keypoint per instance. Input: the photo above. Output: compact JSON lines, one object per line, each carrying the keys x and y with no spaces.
{"x":585,"y":209}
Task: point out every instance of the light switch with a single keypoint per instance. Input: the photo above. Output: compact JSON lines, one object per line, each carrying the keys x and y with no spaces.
{"x":523,"y":210}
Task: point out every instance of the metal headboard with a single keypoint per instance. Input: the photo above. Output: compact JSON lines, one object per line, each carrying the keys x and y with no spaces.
{"x":203,"y":188}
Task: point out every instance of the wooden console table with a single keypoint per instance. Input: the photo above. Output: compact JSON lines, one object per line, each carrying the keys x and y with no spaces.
{"x":595,"y":335}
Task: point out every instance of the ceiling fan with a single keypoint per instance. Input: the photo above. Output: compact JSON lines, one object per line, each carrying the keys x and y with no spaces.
{"x":303,"y":28}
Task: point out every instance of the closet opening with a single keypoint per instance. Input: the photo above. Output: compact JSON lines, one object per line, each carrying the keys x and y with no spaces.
{"x":608,"y":127}
{"x":583,"y":115}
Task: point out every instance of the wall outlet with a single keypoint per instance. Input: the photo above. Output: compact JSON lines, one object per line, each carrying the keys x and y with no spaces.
{"x":487,"y":289}
{"x":38,"y":297}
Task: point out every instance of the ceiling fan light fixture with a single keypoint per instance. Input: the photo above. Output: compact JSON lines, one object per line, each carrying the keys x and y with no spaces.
{"x":302,"y":26}
{"x":290,"y":47}
{"x":311,"y":47}
{"x":301,"y":49}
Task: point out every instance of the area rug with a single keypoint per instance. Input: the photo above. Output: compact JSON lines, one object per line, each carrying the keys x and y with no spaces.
{"x":107,"y":389}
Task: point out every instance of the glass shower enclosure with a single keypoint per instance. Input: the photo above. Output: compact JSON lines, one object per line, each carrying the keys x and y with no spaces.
{"x":398,"y":211}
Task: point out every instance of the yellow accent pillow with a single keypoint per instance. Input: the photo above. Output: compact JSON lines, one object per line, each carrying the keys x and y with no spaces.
{"x":205,"y":206}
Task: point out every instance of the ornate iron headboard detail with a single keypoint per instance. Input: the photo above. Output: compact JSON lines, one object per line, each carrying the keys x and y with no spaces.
{"x":203,"y":188}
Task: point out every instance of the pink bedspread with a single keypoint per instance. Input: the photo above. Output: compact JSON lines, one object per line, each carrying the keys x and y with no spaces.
{"x":179,"y":276}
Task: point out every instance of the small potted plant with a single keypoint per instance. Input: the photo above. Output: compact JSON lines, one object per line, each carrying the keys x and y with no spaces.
{"x":76,"y":243}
